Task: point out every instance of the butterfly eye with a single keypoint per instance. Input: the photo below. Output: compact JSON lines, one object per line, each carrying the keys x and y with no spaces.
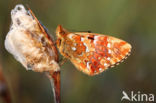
{"x":62,"y":32}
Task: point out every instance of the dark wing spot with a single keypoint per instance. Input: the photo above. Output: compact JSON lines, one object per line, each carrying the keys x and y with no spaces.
{"x":91,"y":37}
{"x":62,"y":32}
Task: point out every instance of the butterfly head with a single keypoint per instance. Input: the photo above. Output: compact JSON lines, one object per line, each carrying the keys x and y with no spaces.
{"x":61,"y":34}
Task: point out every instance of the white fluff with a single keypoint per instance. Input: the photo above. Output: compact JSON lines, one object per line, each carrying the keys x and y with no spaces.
{"x":24,"y":42}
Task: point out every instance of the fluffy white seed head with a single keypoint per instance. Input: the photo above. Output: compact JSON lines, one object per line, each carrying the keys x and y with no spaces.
{"x":28,"y":43}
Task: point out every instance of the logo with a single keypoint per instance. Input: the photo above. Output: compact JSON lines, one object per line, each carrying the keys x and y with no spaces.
{"x":138,"y":96}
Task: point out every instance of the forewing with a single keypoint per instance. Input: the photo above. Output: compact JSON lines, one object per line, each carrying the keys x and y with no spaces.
{"x":94,"y":53}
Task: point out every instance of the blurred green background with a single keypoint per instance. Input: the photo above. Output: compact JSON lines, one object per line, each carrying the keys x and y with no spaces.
{"x":131,"y":20}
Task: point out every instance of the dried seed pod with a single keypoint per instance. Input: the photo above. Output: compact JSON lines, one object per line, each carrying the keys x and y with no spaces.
{"x":30,"y":43}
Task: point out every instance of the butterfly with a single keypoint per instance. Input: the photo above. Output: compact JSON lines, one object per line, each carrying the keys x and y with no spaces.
{"x":30,"y":43}
{"x":91,"y":53}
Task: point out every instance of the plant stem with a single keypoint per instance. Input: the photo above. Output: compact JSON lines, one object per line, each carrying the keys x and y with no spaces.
{"x":55,"y":83}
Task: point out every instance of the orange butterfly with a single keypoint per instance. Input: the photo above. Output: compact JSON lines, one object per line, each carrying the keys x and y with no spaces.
{"x":91,"y":53}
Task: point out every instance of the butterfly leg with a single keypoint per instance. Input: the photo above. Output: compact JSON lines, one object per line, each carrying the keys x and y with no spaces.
{"x":62,"y":61}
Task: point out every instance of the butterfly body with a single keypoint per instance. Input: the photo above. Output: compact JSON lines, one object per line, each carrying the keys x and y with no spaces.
{"x":91,"y":53}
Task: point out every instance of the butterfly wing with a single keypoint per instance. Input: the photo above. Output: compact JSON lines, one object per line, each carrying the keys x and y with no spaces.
{"x":93,"y":53}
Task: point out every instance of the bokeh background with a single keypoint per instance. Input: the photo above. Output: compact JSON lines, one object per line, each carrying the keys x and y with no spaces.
{"x":130,"y":20}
